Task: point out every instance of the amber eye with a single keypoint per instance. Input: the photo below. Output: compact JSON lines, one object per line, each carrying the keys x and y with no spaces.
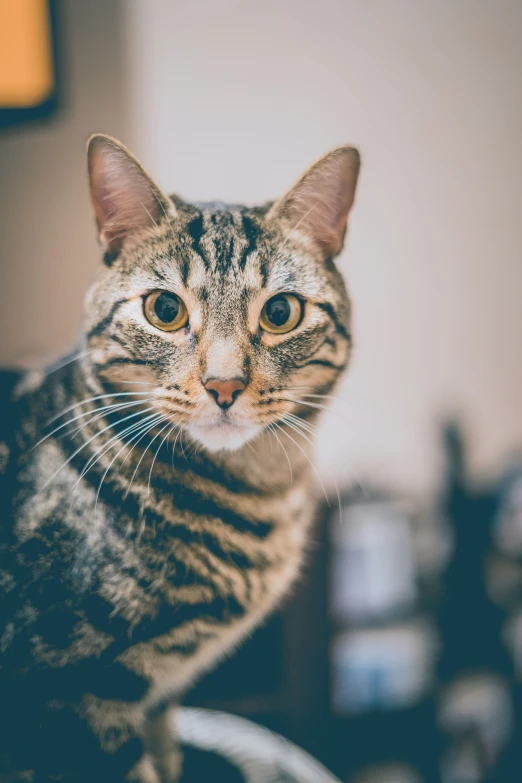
{"x":281,"y":314}
{"x":165,"y":310}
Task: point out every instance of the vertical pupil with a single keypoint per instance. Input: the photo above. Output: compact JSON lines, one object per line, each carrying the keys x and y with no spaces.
{"x":278,"y":310}
{"x":166,"y":307}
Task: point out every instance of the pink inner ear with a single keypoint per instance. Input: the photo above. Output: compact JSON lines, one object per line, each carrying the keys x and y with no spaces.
{"x":125,"y":199}
{"x":319,"y":204}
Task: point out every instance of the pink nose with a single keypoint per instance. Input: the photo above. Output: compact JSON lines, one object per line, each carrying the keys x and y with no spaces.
{"x":224,"y":392}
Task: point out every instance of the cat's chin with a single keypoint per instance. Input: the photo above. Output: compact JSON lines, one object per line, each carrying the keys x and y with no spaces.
{"x":223,"y":437}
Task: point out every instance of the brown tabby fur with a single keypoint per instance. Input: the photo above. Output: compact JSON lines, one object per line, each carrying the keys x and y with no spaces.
{"x":132,"y":560}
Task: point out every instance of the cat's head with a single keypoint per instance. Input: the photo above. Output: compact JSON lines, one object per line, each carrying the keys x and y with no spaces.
{"x":223,"y":317}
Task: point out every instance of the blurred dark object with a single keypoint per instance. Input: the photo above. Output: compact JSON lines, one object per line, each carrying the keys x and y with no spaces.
{"x":470,"y":623}
{"x":475,"y":670}
{"x":29,"y":62}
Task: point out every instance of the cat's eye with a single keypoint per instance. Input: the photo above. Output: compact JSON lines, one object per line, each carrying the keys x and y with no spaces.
{"x":281,"y":314}
{"x":165,"y":310}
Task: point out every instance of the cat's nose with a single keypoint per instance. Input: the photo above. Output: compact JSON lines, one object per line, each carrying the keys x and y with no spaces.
{"x":225,"y":392}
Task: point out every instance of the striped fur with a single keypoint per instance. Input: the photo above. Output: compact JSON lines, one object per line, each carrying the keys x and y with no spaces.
{"x":142,"y":542}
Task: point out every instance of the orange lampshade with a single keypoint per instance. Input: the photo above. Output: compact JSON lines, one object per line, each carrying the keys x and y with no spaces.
{"x":26,"y":55}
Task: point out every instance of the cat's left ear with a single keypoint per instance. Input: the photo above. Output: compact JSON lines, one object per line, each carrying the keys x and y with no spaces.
{"x":317,"y":206}
{"x":124,"y":197}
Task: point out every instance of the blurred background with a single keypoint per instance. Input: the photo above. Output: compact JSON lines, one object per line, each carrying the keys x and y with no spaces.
{"x":400,"y":658}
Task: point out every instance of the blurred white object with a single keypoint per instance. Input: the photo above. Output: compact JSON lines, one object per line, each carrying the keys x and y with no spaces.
{"x":373,"y":571}
{"x":381,"y":668}
{"x":259,"y":754}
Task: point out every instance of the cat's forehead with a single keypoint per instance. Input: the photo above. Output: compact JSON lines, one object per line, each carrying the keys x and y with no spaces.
{"x":223,"y":239}
{"x":218,"y":248}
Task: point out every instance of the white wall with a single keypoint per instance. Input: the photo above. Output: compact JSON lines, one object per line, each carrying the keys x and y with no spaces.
{"x":48,"y":250}
{"x":233,"y":99}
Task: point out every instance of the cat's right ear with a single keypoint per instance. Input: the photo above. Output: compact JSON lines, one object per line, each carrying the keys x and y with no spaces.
{"x":317,"y":206}
{"x":124,"y":197}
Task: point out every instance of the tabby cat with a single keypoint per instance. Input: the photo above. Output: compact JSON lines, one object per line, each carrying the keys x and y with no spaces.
{"x":157,"y":490}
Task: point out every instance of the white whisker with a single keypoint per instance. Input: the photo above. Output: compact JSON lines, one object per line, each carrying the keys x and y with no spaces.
{"x":140,"y":434}
{"x":141,"y":458}
{"x":174,"y":444}
{"x":96,"y":435}
{"x":162,"y":206}
{"x":318,"y":396}
{"x":104,"y":409}
{"x":148,"y":213}
{"x":274,"y":433}
{"x":158,"y":451}
{"x":181,"y":447}
{"x":297,"y":428}
{"x":306,"y":457}
{"x":160,"y":419}
{"x":117,"y":438}
{"x":105,"y":414}
{"x":93,"y":399}
{"x":299,"y":423}
{"x":316,"y":406}
{"x":76,"y":357}
{"x":294,"y":229}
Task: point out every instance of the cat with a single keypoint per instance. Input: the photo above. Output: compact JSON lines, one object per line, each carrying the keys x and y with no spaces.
{"x":158,"y":489}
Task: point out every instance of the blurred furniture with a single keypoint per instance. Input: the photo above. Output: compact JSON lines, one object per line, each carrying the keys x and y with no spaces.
{"x":232,"y":749}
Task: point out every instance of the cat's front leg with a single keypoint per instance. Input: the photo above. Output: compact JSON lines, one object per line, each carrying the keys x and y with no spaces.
{"x":125,"y":732}
{"x":161,"y":745}
{"x":118,"y":727}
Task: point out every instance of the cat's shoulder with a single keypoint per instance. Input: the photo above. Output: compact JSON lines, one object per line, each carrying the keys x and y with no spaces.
{"x":10,"y":381}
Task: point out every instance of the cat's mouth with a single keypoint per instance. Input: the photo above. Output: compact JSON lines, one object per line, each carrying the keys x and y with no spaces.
{"x":225,"y":433}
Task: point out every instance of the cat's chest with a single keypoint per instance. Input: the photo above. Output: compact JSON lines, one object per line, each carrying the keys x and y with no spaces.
{"x":183,"y":556}
{"x":187,"y":566}
{"x":203,"y":595}
{"x":201,"y":633}
{"x":173,"y":578}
